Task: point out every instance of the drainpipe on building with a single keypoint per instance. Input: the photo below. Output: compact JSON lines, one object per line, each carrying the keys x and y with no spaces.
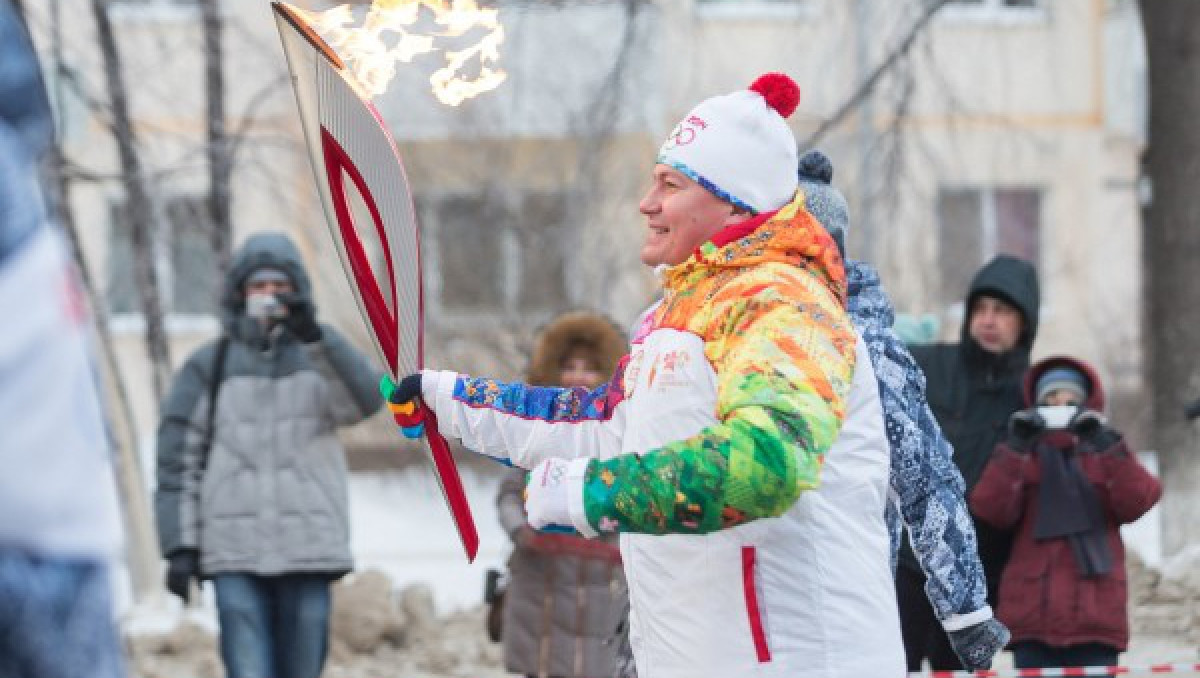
{"x":865,"y":133}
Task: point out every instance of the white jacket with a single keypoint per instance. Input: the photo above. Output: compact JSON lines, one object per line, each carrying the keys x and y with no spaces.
{"x":57,"y":491}
{"x":806,"y":595}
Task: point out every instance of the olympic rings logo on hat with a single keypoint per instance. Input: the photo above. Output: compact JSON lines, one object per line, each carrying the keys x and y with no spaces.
{"x":685,"y":132}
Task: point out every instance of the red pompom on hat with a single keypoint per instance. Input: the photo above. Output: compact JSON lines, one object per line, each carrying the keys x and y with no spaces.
{"x":781,"y":92}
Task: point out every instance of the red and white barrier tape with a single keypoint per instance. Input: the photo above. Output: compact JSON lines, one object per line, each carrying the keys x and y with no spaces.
{"x":1072,"y":671}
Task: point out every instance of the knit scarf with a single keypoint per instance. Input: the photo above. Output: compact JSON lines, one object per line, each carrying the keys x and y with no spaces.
{"x":1068,"y":507}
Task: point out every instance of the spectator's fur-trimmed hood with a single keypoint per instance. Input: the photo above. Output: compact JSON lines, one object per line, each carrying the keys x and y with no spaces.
{"x":583,"y":330}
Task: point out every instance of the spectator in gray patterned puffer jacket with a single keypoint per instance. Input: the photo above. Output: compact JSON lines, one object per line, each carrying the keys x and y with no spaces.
{"x":253,"y":496}
{"x":927,"y":491}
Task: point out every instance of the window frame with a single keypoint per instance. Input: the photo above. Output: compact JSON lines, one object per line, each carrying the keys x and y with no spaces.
{"x":995,"y":12}
{"x":155,"y":10}
{"x":509,"y":275}
{"x":130,"y":322}
{"x":756,"y":9}
{"x":989,"y":230}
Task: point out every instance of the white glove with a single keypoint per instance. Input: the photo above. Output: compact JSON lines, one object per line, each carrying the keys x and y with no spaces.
{"x":554,"y":496}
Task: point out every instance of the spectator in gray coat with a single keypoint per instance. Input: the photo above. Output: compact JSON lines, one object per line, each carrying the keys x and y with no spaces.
{"x":252,"y":492}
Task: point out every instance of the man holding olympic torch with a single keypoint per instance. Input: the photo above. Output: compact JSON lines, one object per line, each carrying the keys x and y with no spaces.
{"x":753,"y":544}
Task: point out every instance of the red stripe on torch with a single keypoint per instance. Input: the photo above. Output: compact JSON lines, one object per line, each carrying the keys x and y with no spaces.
{"x":383,"y":321}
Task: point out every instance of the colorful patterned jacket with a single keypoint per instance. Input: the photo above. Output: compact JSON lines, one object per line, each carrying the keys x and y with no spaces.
{"x":927,"y":488}
{"x":751,"y":547}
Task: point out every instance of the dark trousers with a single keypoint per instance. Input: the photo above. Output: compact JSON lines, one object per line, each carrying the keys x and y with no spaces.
{"x":1030,"y":654}
{"x":273,"y":627}
{"x":924,"y":637}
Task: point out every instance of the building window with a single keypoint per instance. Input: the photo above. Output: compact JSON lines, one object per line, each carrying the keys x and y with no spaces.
{"x":184,"y":260}
{"x":155,"y":3}
{"x":487,"y":254}
{"x":154,"y":10}
{"x":1003,"y":11}
{"x":754,"y":8}
{"x":998,"y":4}
{"x":976,"y":224}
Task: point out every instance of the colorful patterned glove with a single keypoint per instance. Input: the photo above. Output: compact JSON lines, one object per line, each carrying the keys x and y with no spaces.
{"x":404,"y":402}
{"x":976,"y":645}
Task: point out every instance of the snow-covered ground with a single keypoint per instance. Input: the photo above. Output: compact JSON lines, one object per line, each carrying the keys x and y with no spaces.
{"x":400,"y":524}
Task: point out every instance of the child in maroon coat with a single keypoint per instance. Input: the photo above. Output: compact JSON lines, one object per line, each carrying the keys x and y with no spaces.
{"x":1065,"y":481}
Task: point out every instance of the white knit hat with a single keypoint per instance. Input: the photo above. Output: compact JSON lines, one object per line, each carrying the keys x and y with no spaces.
{"x":738,"y":146}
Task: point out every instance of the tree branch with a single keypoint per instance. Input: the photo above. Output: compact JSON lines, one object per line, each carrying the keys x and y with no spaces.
{"x":220,"y":156}
{"x":138,"y":204}
{"x":868,"y":86}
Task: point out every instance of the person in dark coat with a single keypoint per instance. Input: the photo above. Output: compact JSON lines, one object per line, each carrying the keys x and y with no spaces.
{"x":1066,"y":481}
{"x":565,"y":592}
{"x":973,"y":387}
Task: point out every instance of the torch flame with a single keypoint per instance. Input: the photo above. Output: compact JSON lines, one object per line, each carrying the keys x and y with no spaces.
{"x":372,"y":61}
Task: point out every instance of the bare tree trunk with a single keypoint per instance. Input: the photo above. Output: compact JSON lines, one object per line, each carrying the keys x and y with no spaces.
{"x":142,"y":543}
{"x":1172,"y":242}
{"x":142,"y":553}
{"x":220,"y":151}
{"x":139,"y":209}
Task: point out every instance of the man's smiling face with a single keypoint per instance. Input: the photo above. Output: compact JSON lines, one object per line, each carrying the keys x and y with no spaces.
{"x":680,"y":216}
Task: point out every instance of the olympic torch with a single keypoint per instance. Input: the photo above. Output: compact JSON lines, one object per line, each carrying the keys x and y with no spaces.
{"x":348,"y":144}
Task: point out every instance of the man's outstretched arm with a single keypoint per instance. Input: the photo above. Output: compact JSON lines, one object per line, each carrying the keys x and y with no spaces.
{"x":520,"y":425}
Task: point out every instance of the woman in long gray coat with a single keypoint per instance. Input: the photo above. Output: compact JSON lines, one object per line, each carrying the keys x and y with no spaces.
{"x":565,"y":593}
{"x":252,"y":493}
